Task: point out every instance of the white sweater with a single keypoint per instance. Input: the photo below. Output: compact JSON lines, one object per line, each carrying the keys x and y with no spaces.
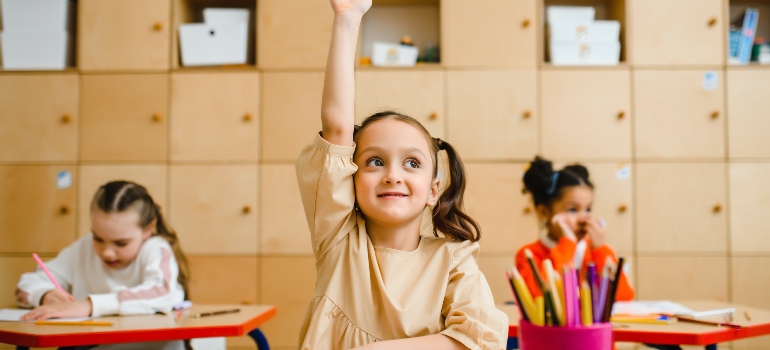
{"x":148,"y":284}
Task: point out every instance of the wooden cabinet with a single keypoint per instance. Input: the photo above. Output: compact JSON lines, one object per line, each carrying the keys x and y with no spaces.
{"x":210,"y":285}
{"x":586,"y":113}
{"x":750,"y":283}
{"x":681,"y":208}
{"x":124,"y":117}
{"x":123,"y":35}
{"x":153,"y":177}
{"x":39,"y":205}
{"x":682,"y":32}
{"x":749,"y":202}
{"x":747,"y":122}
{"x":494,"y":199}
{"x":492,"y":115}
{"x":215,"y":116}
{"x":489,"y":33}
{"x":613,"y":202}
{"x":293,"y":34}
{"x":679,"y":114}
{"x":291,"y":113}
{"x":214,"y":208}
{"x":288,"y":282}
{"x":493,"y":267}
{"x":682,"y":278}
{"x":284,"y":228}
{"x":416,"y":93}
{"x":11,"y":269}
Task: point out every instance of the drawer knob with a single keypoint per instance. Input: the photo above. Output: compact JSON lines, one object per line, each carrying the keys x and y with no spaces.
{"x":157,"y":118}
{"x":66,"y":119}
{"x":621,"y":115}
{"x":525,"y":23}
{"x":712,"y":21}
{"x":158,"y":26}
{"x":527,"y":114}
{"x":247,"y":117}
{"x":622,"y":208}
{"x":714,"y":114}
{"x":433,"y":116}
{"x":246,"y":209}
{"x":527,"y":210}
{"x":64,"y":210}
{"x":717,"y":208}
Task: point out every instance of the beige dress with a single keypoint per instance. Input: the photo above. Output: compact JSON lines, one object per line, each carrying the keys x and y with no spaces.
{"x":365,"y":293}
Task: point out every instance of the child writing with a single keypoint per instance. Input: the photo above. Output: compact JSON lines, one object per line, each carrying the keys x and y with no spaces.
{"x":380,"y":285}
{"x":563,"y":201}
{"x":130,"y":264}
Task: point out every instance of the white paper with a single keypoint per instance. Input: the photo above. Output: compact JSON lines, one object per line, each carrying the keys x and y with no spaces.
{"x":14,"y":315}
{"x":648,"y":307}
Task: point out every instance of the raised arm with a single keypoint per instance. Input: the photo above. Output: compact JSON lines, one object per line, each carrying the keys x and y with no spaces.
{"x":337,"y":115}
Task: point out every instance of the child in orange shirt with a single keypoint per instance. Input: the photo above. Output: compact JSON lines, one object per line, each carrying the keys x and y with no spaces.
{"x":572,"y":234}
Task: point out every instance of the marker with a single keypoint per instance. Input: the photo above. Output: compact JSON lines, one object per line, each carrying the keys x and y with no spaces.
{"x":48,"y":273}
{"x":212,"y":313}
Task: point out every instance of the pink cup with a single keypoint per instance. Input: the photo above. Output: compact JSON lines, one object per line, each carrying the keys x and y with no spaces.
{"x":596,"y":337}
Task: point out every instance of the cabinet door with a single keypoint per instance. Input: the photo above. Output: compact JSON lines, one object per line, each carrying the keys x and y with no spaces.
{"x":124,"y":117}
{"x":749,"y":202}
{"x":209,"y":285}
{"x":123,"y":35}
{"x":153,"y":177}
{"x":679,"y":114}
{"x":682,"y":32}
{"x":612,"y":202}
{"x":682,"y":278}
{"x":680,"y":208}
{"x":494,"y":199}
{"x":291,"y":113}
{"x":288,"y":283}
{"x":38,"y":122}
{"x":293,"y":34}
{"x":747,"y":110}
{"x":586,"y":114}
{"x":213,"y":208}
{"x":38,"y":204}
{"x":489,"y":33}
{"x":283,"y":225}
{"x":215,"y":116}
{"x":416,"y":93}
{"x":11,"y":269}
{"x":492,"y":114}
{"x":751,"y":283}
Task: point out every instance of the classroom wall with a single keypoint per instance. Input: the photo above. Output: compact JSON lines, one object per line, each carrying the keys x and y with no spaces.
{"x":680,"y":168}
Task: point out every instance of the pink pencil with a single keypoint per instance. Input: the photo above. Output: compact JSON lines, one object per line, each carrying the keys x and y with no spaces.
{"x":48,"y":273}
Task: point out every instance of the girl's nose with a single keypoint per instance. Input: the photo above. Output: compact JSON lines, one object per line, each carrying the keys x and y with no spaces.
{"x":392,"y":177}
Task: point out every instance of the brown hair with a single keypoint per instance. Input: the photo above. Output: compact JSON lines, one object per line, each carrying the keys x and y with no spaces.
{"x":448,"y":215}
{"x":547,"y":185}
{"x":119,"y":196}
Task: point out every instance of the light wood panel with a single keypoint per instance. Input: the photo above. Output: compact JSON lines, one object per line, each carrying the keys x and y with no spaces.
{"x":215,"y":116}
{"x":153,"y":177}
{"x":39,"y":117}
{"x":214,"y":208}
{"x":489,"y":33}
{"x":683,"y":32}
{"x":749,"y":203}
{"x":11,"y":270}
{"x":681,"y":207}
{"x":210,"y":285}
{"x":416,"y":93}
{"x":293,"y":34}
{"x":123,"y":35}
{"x":586,"y":114}
{"x":747,"y":121}
{"x":493,"y":267}
{"x":292,"y":113}
{"x":494,"y":199}
{"x":37,"y":215}
{"x":678,"y":114}
{"x":124,"y":117}
{"x":682,"y":278}
{"x":284,"y":228}
{"x":289,"y":284}
{"x":750,"y":283}
{"x":492,"y":114}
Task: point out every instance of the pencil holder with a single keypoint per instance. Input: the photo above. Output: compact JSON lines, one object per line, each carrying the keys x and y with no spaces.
{"x":596,"y":337}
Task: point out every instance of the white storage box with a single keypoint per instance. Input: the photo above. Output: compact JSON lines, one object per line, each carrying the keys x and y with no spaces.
{"x":570,"y":14}
{"x":225,"y":16}
{"x":203,"y":44}
{"x":31,"y":51}
{"x":588,"y":32}
{"x":36,"y":15}
{"x":393,"y":55}
{"x":585,"y":54}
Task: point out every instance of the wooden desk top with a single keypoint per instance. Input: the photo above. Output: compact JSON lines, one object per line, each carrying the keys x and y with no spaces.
{"x":127,"y":329}
{"x":681,"y":333}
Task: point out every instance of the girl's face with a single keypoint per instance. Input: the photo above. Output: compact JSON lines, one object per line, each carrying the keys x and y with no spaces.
{"x":117,"y":236}
{"x":575,"y":204}
{"x":394,"y":181}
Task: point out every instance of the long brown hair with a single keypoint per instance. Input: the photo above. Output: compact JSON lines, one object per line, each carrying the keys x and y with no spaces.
{"x":119,"y":196}
{"x":449,"y":215}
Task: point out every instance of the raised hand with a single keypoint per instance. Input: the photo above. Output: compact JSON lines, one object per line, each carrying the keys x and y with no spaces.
{"x":80,"y":308}
{"x":358,"y":7}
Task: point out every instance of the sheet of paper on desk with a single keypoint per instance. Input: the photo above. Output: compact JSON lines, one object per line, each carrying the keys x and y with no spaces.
{"x":649,"y":307}
{"x":15,"y":315}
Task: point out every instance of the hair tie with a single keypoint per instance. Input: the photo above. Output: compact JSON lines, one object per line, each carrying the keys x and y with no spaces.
{"x":554,"y":180}
{"x":439,"y":143}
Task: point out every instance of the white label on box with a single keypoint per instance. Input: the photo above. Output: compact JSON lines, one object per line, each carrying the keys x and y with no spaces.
{"x":710,"y":81}
{"x":64,"y":180}
{"x":624,"y":172}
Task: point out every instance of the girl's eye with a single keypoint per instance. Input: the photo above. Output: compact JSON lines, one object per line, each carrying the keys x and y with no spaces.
{"x":572,"y":210}
{"x":121,"y":244}
{"x":375,"y":162}
{"x":412,"y":163}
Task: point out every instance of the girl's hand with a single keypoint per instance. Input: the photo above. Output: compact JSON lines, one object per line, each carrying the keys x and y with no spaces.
{"x":56,"y":296}
{"x":558,"y":228}
{"x":595,"y":232}
{"x":80,"y":308}
{"x":358,"y":7}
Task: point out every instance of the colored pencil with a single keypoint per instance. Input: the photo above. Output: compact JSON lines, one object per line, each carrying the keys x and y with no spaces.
{"x":510,"y":275}
{"x":48,"y":273}
{"x":550,"y":276}
{"x":527,"y":302}
{"x":585,"y":304}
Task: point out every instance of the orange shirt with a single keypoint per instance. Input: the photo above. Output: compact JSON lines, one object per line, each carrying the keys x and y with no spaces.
{"x":561,"y":255}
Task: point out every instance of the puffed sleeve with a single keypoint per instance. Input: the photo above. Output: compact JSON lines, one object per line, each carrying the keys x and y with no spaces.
{"x":325,"y":176}
{"x":469,"y":310}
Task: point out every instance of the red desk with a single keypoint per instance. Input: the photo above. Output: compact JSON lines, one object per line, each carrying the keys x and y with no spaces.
{"x":129,"y":329}
{"x":680,"y":333}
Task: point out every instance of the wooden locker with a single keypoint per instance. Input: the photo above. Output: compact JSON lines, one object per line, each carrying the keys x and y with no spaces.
{"x":293,"y":34}
{"x":284,"y":228}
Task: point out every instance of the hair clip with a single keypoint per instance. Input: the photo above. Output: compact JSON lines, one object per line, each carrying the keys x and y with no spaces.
{"x":554,"y":180}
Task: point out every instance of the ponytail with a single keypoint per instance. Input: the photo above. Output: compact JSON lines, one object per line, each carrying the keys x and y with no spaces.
{"x":448,"y":215}
{"x":546,"y":184}
{"x":166,"y":232}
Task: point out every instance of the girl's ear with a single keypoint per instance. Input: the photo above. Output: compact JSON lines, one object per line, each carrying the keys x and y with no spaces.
{"x":543,"y":212}
{"x":434,"y":193}
{"x":151,"y":227}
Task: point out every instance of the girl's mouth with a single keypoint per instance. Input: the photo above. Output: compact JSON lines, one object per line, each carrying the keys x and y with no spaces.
{"x":111,"y":263}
